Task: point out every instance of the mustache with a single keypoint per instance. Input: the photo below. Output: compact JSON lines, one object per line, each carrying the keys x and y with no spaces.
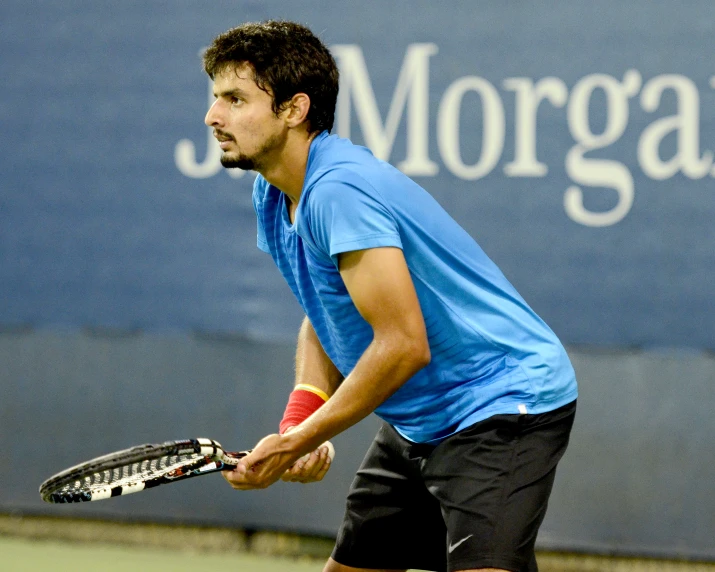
{"x":222,"y":135}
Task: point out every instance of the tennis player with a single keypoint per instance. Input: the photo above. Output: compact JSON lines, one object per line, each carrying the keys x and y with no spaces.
{"x":406,"y":317}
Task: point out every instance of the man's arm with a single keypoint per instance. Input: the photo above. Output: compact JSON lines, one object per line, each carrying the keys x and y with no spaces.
{"x":314,"y":370}
{"x":381,"y":288}
{"x":312,"y":364}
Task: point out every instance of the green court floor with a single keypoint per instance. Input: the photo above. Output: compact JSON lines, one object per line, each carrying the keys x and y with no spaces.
{"x":28,"y":554}
{"x":25,"y":555}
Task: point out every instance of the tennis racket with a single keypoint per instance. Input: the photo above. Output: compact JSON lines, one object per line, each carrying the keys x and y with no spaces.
{"x":136,"y":469}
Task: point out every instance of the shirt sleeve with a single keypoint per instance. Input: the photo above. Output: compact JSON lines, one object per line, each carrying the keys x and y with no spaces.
{"x":347,"y":214}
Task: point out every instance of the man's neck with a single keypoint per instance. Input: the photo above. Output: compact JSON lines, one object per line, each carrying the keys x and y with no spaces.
{"x":287,"y":173}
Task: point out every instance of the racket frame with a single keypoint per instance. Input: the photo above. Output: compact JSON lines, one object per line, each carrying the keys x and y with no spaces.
{"x":209,"y":457}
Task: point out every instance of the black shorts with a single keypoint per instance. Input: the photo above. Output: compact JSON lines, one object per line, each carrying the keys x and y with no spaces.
{"x":476,"y":500}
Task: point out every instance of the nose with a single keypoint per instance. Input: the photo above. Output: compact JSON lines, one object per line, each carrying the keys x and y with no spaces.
{"x":213,"y":116}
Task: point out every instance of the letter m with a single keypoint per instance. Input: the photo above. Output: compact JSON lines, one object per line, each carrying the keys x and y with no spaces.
{"x":411,"y":94}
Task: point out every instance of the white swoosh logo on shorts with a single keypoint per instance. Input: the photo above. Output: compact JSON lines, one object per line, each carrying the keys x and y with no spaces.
{"x":453,"y":546}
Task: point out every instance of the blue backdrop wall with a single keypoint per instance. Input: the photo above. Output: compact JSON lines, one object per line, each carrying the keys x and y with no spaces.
{"x":574,"y":141}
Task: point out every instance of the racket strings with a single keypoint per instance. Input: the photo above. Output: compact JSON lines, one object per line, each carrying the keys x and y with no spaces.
{"x":135,"y":472}
{"x":139,"y":468}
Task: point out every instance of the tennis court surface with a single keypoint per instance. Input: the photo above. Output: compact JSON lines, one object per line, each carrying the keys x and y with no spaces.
{"x":27,"y":555}
{"x":33,"y":543}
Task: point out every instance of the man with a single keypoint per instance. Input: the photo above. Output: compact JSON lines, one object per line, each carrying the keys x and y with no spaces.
{"x":405,"y":317}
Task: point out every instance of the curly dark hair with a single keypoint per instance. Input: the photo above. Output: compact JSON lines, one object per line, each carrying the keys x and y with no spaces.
{"x":286,"y":58}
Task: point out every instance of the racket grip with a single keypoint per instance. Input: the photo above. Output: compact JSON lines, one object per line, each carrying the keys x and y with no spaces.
{"x":232,"y":458}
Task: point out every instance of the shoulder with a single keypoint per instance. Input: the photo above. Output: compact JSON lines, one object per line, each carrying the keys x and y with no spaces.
{"x":334,"y":154}
{"x":340,"y":188}
{"x":341,"y":163}
{"x":342,"y":167}
{"x":343,"y":175}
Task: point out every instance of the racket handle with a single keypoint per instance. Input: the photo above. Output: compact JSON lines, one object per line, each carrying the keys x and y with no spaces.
{"x":231,"y":458}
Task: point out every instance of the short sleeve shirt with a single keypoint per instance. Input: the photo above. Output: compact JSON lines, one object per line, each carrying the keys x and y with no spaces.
{"x":490,"y":352}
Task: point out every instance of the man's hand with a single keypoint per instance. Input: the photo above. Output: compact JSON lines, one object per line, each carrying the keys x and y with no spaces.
{"x":263,"y":466}
{"x":270,"y":460}
{"x":310,"y":468}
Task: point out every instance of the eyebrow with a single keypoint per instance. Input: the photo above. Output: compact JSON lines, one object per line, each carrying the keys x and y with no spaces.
{"x":230,"y":93}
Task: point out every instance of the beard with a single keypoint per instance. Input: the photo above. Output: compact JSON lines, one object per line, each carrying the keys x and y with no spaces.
{"x":256,"y":160}
{"x":241,"y":162}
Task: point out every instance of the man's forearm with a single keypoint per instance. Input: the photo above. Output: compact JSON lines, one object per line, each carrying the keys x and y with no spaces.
{"x":312,"y":364}
{"x":384,"y":367}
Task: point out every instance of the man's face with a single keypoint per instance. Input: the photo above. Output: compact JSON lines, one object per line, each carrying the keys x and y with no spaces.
{"x":243,"y":121}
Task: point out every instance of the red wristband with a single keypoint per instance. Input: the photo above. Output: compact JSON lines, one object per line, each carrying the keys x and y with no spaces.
{"x":301,"y":405}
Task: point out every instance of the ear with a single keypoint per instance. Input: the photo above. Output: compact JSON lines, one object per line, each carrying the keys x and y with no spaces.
{"x":296,"y":110}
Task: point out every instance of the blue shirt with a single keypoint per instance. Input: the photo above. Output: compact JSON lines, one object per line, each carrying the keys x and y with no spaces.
{"x":491,"y":353}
